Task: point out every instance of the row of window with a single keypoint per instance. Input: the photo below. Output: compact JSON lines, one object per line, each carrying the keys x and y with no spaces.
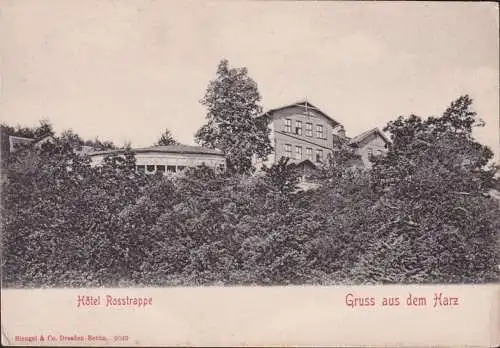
{"x":374,"y":153}
{"x":161,"y":168}
{"x":309,"y":128}
{"x":308,"y":154}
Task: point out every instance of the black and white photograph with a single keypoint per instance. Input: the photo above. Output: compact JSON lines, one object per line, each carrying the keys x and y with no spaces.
{"x":249,"y":173}
{"x":159,"y":144}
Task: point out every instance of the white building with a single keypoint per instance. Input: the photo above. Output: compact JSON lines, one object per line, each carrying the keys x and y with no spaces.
{"x":171,"y":158}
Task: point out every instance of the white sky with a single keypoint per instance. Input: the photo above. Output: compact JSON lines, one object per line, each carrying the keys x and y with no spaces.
{"x":125,"y":70}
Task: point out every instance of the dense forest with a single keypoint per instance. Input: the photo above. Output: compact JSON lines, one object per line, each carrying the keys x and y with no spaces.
{"x":422,"y":214}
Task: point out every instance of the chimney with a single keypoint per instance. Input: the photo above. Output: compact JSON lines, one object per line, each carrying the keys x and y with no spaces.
{"x":342,"y":132}
{"x":339,"y":131}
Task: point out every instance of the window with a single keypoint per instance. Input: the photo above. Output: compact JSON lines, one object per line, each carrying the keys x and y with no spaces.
{"x":319,"y":131}
{"x":171,"y":169}
{"x":141,"y":169}
{"x":160,"y":169}
{"x":298,"y":152}
{"x":370,"y":151}
{"x":221,"y":167}
{"x":150,"y":168}
{"x":309,"y":154}
{"x":180,"y":168}
{"x":288,"y":125}
{"x":298,"y":127}
{"x":288,"y":150}
{"x":309,"y":129}
{"x":319,"y":155}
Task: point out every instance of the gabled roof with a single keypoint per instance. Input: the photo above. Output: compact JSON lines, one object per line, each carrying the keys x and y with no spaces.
{"x":43,"y":138}
{"x":359,"y":138}
{"x":302,"y":104}
{"x":166,"y":149}
{"x":15,"y":142}
{"x":304,"y":163}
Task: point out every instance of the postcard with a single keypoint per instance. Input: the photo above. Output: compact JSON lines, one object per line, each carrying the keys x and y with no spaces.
{"x":280,"y":173}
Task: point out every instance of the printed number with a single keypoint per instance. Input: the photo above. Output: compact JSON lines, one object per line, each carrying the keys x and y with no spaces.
{"x":121,"y":338}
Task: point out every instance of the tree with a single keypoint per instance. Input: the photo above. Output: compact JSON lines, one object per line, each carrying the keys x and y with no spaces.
{"x":423,"y":213}
{"x":166,"y":139}
{"x":63,"y":220}
{"x":433,"y":216}
{"x":233,"y":126}
{"x":99,"y":145}
{"x":45,"y":128}
{"x":73,"y":139}
{"x":41,"y":211}
{"x":282,"y":176}
{"x":342,"y":162}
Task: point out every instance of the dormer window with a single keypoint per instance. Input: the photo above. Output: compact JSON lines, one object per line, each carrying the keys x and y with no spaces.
{"x":298,"y":127}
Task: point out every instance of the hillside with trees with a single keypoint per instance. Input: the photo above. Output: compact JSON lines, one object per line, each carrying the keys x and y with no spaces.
{"x":422,"y":214}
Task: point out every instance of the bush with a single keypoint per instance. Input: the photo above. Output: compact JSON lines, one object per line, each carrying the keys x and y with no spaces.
{"x":422,"y":214}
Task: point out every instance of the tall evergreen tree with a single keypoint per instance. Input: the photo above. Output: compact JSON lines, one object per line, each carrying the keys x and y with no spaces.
{"x":166,"y":139}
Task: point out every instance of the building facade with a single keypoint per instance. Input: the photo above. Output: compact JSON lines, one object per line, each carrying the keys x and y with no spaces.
{"x":300,"y":132}
{"x":371,"y":142}
{"x":168,"y":159}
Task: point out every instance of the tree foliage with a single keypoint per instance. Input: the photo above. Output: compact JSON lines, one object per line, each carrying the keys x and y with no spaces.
{"x":433,"y":188}
{"x":283,"y":176}
{"x":72,"y":139}
{"x":99,"y":145}
{"x":44,"y":128}
{"x":166,"y":139}
{"x":421,"y":214}
{"x":233,"y":126}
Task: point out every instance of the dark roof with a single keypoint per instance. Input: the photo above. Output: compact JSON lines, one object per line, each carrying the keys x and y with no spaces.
{"x":166,"y":149}
{"x":304,"y":104}
{"x":359,"y":138}
{"x":304,"y":163}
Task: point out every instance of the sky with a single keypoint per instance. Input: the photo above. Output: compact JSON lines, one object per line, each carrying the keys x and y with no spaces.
{"x":126,"y":70}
